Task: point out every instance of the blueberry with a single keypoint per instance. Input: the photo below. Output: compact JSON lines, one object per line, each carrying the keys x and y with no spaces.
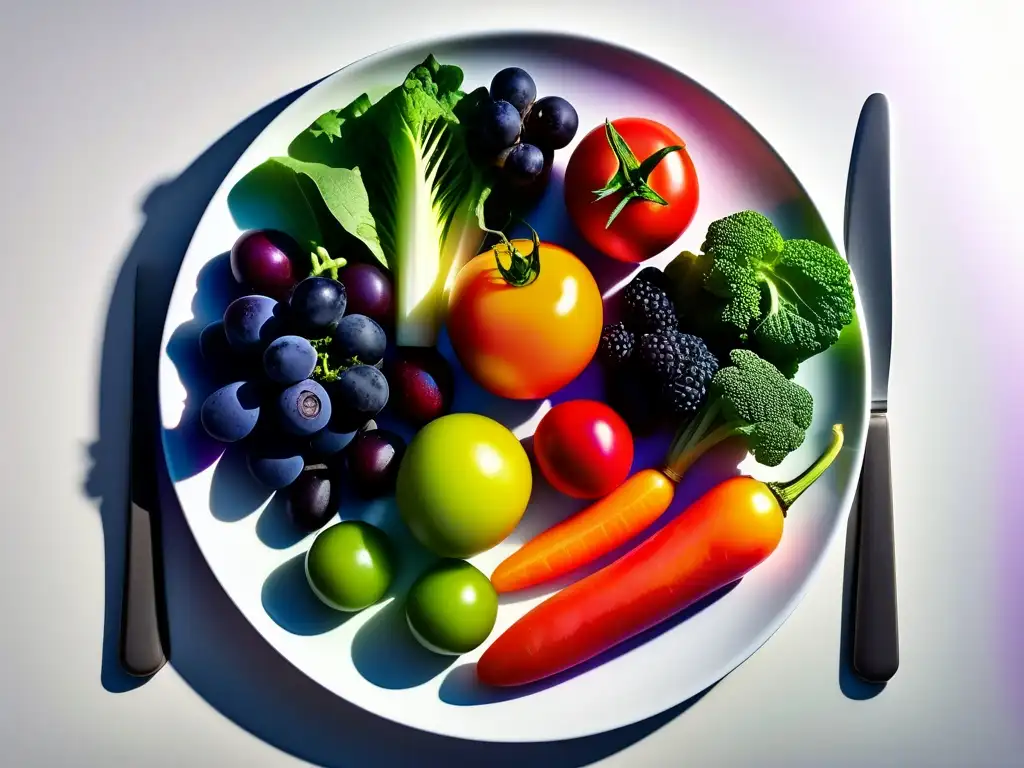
{"x":276,"y":464}
{"x":303,"y":408}
{"x":330,"y":441}
{"x":357,"y":337}
{"x":358,"y":394}
{"x":289,"y":359}
{"x":231,"y":413}
{"x":251,"y":323}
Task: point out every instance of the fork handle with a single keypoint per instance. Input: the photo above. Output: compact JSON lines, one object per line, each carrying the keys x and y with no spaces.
{"x":876,"y":648}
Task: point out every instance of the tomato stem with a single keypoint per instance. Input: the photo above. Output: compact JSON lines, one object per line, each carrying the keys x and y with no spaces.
{"x":522,"y":270}
{"x":787,"y":493}
{"x":632,"y":175}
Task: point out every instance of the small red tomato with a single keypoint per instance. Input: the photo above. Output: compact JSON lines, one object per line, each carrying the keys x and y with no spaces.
{"x":612,"y":167}
{"x":583,"y":448}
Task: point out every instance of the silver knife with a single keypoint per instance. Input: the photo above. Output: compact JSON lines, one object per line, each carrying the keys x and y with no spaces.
{"x":875,"y":642}
{"x":143,"y":623}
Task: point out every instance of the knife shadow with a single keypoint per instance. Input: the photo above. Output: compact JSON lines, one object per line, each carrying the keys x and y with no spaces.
{"x":172,"y":211}
{"x":215,"y":649}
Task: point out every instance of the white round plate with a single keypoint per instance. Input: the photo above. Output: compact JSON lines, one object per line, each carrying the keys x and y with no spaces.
{"x":369,"y":658}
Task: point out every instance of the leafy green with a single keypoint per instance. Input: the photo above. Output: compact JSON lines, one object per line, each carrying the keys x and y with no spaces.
{"x":343,"y":192}
{"x":397,"y":175}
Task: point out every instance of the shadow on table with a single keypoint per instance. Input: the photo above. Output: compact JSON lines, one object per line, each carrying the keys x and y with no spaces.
{"x":214,"y":647}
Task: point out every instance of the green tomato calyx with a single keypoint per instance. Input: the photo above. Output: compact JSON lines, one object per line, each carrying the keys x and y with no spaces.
{"x":631,"y":176}
{"x":522,"y":270}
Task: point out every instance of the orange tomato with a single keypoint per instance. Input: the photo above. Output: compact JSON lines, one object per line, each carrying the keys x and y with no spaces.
{"x":525,"y":342}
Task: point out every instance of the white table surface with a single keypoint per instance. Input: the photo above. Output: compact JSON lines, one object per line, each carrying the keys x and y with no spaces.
{"x":117,"y":125}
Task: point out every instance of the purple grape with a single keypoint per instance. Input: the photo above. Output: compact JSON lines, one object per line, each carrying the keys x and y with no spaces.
{"x":497,"y":127}
{"x":303,"y":408}
{"x":515,"y":86}
{"x":275,"y":463}
{"x":289,"y":359}
{"x":251,"y":323}
{"x":551,"y":123}
{"x":369,"y":292}
{"x":357,"y":395}
{"x":267,"y":261}
{"x":231,"y":413}
{"x":329,"y":441}
{"x":423,"y":384}
{"x":357,"y":337}
{"x":522,"y":165}
{"x":313,"y":498}
{"x":372,"y":462}
{"x":317,"y":304}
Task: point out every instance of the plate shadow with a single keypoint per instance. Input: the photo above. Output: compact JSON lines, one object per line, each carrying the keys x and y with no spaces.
{"x":172,"y":210}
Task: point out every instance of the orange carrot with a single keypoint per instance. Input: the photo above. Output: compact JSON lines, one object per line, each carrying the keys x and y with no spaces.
{"x":749,"y":399}
{"x":582,"y":538}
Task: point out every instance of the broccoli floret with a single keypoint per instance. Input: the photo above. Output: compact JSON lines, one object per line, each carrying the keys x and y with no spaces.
{"x":752,"y":399}
{"x":738,"y":245}
{"x":788,"y":300}
{"x":810,"y":300}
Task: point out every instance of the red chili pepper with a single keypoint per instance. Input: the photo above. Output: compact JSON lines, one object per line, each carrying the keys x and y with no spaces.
{"x":718,"y":539}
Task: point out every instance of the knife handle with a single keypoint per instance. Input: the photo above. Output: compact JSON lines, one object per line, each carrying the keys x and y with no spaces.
{"x":876,"y":648}
{"x":142,"y":646}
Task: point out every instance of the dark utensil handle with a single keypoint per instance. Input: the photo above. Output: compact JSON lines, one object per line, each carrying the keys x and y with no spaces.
{"x":876,"y":647}
{"x":142,"y":647}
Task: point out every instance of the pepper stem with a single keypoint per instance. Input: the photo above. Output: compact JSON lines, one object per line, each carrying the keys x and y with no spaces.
{"x":787,"y":493}
{"x":322,"y":262}
{"x":631,"y":176}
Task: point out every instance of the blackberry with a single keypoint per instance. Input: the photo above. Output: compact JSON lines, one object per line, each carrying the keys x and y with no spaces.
{"x":616,"y":345}
{"x":648,"y":307}
{"x":679,"y":366}
{"x":652,"y":275}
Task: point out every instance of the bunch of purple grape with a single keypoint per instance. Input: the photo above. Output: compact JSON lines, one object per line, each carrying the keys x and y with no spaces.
{"x":302,"y":354}
{"x":519,"y":133}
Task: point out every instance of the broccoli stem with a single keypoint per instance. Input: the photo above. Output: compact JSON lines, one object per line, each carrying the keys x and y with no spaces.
{"x":706,"y":430}
{"x":787,"y":493}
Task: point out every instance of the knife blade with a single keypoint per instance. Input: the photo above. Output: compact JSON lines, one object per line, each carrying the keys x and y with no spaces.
{"x":868,"y":240}
{"x":143,"y":622}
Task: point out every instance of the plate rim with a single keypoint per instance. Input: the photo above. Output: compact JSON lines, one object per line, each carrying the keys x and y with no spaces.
{"x":845,"y":500}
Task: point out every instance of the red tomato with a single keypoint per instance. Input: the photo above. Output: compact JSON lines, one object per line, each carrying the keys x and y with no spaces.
{"x":643,"y":228}
{"x":583,"y":448}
